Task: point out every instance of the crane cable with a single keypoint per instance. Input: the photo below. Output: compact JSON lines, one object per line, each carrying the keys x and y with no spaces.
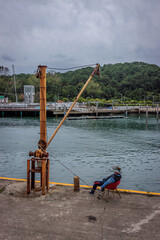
{"x":70,"y":68}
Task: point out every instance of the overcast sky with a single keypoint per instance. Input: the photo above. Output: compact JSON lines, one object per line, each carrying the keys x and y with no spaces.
{"x":66,"y":33}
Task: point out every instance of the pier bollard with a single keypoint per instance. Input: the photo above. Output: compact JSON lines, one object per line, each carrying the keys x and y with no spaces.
{"x":76,"y":183}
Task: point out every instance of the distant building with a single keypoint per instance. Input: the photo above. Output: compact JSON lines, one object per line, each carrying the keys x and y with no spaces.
{"x":29,"y":94}
{"x":3,"y":99}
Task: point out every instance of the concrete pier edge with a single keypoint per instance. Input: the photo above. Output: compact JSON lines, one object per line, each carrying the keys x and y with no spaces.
{"x":85,"y":186}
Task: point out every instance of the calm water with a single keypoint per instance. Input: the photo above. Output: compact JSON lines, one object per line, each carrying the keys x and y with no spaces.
{"x":89,"y":148}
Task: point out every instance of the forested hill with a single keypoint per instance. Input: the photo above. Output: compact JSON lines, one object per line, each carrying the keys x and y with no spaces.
{"x":132,"y":81}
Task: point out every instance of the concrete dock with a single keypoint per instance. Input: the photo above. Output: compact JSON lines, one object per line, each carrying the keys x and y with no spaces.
{"x":22,"y":110}
{"x":65,"y":214}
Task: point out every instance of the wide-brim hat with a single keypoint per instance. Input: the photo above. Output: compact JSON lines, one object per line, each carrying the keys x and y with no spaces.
{"x":117,"y":169}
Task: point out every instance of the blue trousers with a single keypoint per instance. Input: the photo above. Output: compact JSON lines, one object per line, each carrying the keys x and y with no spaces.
{"x":97,"y":183}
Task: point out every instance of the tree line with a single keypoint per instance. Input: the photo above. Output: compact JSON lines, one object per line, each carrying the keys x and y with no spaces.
{"x":136,"y":81}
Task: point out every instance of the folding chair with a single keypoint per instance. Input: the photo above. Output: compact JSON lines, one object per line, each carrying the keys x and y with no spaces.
{"x":112,"y":187}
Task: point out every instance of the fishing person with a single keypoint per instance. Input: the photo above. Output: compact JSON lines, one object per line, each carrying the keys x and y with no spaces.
{"x":115,"y":177}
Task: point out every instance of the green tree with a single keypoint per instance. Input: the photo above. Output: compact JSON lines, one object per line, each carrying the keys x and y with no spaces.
{"x":93,"y":90}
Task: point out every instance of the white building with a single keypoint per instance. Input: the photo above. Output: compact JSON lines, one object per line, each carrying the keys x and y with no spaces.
{"x":29,"y":94}
{"x":3,"y":99}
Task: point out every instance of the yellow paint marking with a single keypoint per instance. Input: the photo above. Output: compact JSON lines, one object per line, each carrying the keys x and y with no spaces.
{"x":14,"y":179}
{"x":140,"y":192}
{"x":85,"y":186}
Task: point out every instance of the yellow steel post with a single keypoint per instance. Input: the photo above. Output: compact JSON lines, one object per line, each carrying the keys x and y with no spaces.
{"x":43,"y":177}
{"x":85,"y":85}
{"x":43,"y":103}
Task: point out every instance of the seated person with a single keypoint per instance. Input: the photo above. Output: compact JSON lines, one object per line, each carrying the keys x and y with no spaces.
{"x":115,"y":177}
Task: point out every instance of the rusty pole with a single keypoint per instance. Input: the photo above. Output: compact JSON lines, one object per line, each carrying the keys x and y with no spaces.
{"x":43,"y":103}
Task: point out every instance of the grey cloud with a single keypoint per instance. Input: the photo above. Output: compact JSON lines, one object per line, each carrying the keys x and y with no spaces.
{"x":8,"y":58}
{"x":69,"y":32}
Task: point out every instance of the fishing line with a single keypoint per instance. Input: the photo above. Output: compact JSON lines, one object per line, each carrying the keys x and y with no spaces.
{"x":76,"y":176}
{"x":72,"y":172}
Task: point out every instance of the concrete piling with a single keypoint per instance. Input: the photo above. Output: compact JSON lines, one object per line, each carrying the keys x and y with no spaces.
{"x":147,"y":114}
{"x":157,"y":116}
{"x":139,"y":109}
{"x":126,"y":110}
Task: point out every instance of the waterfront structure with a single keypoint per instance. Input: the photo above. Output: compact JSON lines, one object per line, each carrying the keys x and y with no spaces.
{"x":3,"y":99}
{"x":29,"y":94}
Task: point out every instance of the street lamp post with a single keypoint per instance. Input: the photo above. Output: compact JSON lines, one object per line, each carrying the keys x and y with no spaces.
{"x":121,"y":98}
{"x":144,"y":99}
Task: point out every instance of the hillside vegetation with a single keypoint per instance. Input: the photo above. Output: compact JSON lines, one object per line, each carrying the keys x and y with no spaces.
{"x":124,"y":81}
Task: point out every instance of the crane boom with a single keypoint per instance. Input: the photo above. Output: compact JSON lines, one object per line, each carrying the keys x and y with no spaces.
{"x":95,"y":71}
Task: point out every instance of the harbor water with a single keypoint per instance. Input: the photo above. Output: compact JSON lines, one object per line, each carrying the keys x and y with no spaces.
{"x":90,"y":148}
